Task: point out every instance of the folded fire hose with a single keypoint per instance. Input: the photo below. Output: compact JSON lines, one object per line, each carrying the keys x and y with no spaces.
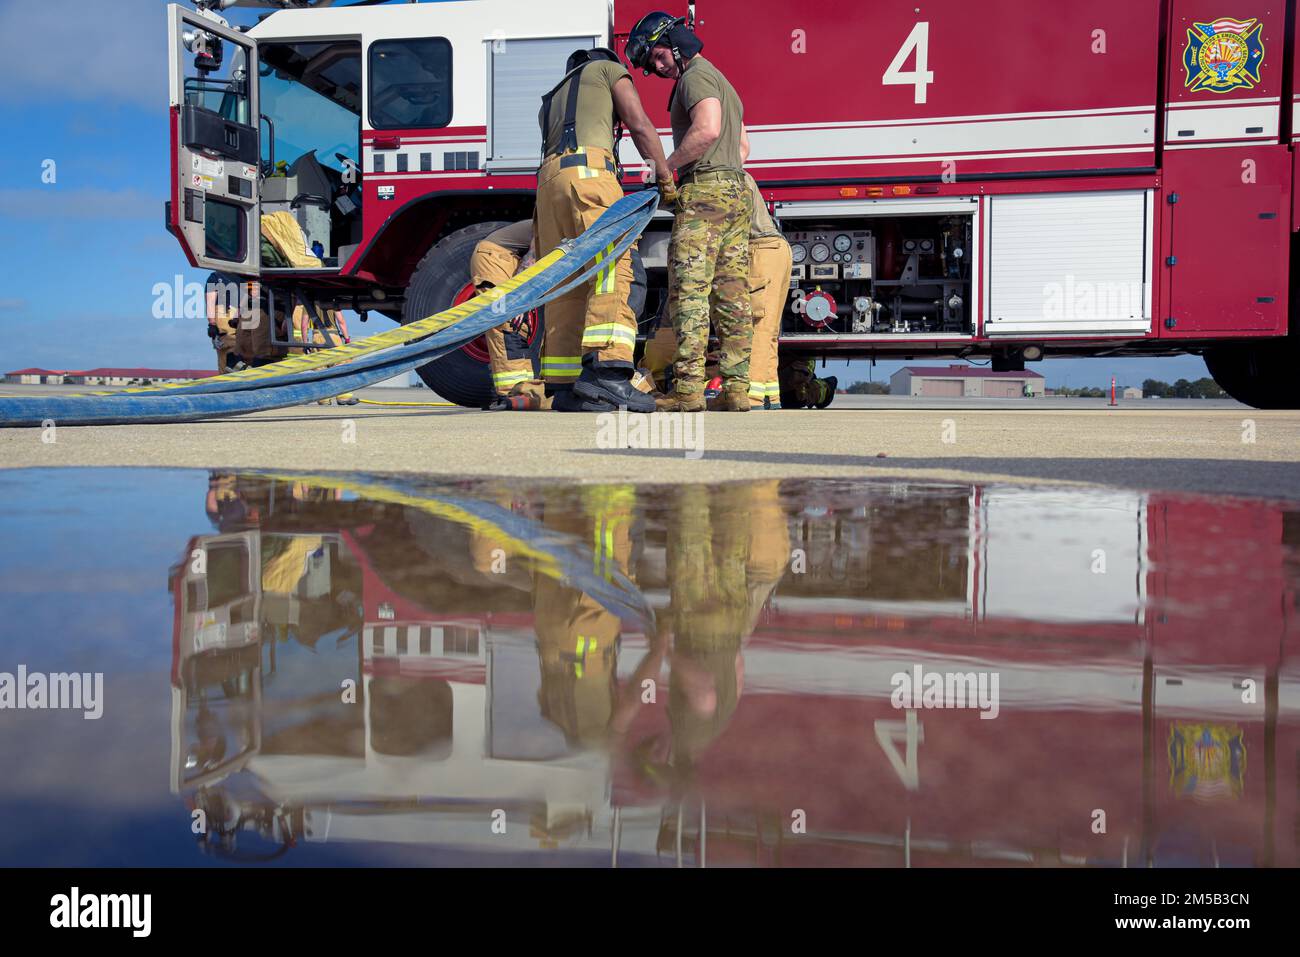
{"x":346,"y":368}
{"x":556,"y":555}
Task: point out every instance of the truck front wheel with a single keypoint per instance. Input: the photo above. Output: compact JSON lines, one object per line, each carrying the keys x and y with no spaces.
{"x":440,"y":280}
{"x":1259,"y":374}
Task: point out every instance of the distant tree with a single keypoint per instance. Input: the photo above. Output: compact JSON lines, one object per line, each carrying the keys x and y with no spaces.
{"x":868,"y":388}
{"x":1207,"y":388}
{"x":1154,"y":387}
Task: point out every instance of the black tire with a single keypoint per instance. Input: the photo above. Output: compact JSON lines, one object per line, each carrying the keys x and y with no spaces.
{"x":459,"y":377}
{"x":1258,"y":374}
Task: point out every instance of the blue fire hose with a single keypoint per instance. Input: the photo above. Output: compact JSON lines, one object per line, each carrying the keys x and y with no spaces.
{"x":240,"y":393}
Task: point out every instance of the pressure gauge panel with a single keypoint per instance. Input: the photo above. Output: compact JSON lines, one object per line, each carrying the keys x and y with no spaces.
{"x":855,"y":247}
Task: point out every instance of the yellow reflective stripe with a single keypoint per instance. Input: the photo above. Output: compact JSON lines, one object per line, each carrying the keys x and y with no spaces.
{"x":598,"y":499}
{"x":580,"y":650}
{"x":561,"y":367}
{"x":602,"y":535}
{"x":607,"y":572}
{"x":605,"y":279}
{"x":510,"y":378}
{"x":604,"y":332}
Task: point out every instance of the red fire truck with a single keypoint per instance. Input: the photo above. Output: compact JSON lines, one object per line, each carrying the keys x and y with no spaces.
{"x":993,"y":180}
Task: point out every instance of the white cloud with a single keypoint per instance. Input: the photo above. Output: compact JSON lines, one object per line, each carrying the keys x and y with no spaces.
{"x":71,"y":49}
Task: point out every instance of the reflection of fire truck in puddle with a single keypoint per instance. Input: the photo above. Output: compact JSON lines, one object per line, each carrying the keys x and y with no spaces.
{"x":1149,"y":700}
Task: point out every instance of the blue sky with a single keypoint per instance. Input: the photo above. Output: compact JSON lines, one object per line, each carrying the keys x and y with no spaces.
{"x":83,"y":254}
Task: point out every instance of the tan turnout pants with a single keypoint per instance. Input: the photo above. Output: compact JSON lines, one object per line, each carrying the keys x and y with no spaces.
{"x":769,"y":289}
{"x":594,"y":317}
{"x":491,"y":265}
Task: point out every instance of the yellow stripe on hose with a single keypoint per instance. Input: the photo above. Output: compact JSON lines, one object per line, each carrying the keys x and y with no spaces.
{"x":545,"y":563}
{"x":354,"y":350}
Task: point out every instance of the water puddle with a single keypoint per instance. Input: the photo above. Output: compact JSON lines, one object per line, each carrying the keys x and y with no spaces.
{"x":315,"y":670}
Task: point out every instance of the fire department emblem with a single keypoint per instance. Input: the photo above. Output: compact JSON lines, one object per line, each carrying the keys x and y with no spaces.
{"x":1223,"y":56}
{"x":1207,"y":762}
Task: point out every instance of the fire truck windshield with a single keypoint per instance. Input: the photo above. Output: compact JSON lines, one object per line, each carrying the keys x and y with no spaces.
{"x":311,"y":93}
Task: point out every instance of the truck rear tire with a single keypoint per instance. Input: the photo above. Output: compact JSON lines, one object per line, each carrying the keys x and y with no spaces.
{"x":1258,"y":374}
{"x":463,"y":376}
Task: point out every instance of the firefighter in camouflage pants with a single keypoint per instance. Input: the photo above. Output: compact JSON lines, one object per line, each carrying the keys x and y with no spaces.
{"x":708,"y":257}
{"x":709,"y":276}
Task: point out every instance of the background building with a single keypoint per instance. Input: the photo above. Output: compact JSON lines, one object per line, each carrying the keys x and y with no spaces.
{"x":105,"y":376}
{"x":961,"y":381}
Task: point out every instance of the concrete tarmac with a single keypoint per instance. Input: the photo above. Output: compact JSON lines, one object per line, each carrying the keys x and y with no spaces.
{"x":1193,"y":446}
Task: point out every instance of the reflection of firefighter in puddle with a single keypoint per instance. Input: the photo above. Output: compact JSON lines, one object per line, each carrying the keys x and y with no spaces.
{"x":577,"y":638}
{"x":727,"y":549}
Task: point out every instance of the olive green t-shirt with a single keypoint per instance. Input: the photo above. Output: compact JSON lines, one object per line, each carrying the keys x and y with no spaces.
{"x":517,"y":237}
{"x":762,"y":225}
{"x":595,"y":108}
{"x":700,"y":82}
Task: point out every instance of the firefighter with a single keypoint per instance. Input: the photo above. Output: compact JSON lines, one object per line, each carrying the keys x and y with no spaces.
{"x":223,"y":297}
{"x":709,"y":252}
{"x":577,"y":637}
{"x":591,"y":331}
{"x":254,"y":340}
{"x":324,"y":338}
{"x":497,"y":258}
{"x":800,"y":387}
{"x":727,"y":549}
{"x":769,"y":282}
{"x":770,"y":261}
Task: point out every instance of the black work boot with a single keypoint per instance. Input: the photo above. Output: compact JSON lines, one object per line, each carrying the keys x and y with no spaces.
{"x":827,"y":387}
{"x":611,"y":382}
{"x":565,"y":399}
